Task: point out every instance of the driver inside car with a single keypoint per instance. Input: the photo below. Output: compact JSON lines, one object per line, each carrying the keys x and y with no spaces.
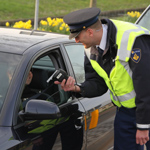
{"x":49,"y":129}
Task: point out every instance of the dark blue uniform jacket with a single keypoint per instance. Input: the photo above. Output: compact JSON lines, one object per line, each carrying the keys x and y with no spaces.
{"x":94,"y":85}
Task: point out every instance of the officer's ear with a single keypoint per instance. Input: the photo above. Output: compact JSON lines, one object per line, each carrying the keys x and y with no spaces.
{"x":90,"y":32}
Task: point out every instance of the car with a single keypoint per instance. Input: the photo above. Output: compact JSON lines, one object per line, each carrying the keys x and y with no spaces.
{"x":144,"y":20}
{"x":40,"y":115}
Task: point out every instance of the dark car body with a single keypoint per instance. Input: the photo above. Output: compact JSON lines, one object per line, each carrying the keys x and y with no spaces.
{"x":46,"y":119}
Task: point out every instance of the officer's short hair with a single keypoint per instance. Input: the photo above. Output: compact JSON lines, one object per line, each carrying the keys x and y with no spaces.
{"x":96,"y":25}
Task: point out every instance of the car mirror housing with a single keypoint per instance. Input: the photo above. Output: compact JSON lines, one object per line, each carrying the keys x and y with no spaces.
{"x":40,"y":110}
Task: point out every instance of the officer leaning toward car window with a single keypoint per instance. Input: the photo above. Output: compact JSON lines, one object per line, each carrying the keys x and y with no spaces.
{"x":117,"y":58}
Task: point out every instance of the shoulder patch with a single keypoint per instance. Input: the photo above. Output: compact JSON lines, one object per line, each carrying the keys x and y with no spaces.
{"x":136,"y":55}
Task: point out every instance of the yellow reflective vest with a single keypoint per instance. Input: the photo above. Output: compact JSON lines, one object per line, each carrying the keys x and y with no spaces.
{"x":120,"y":81}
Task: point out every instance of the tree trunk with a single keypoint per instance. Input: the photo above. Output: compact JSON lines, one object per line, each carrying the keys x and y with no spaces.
{"x":93,"y":3}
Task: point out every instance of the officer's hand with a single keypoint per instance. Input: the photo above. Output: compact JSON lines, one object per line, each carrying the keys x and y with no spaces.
{"x":67,"y":86}
{"x":142,"y":136}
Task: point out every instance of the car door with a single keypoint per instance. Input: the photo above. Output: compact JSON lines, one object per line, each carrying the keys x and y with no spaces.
{"x":100,"y":111}
{"x":63,"y":132}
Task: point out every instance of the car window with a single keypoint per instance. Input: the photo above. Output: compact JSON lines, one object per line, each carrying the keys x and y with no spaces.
{"x":144,"y":20}
{"x":37,"y":87}
{"x":8,"y":64}
{"x":76,"y":55}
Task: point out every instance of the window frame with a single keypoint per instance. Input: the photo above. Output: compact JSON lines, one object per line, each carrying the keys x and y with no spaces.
{"x":75,"y":44}
{"x":53,"y":52}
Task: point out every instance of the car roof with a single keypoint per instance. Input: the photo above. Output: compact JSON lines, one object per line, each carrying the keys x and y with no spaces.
{"x":14,"y":40}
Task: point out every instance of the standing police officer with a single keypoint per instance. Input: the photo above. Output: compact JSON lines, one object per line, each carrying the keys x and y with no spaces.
{"x":117,"y":58}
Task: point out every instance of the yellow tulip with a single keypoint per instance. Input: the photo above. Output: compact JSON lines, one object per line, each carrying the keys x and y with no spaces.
{"x":138,"y":14}
{"x":60,"y":28}
{"x":7,"y":24}
{"x":43,"y":22}
{"x":29,"y":21}
{"x":67,"y":29}
{"x":63,"y":25}
{"x":66,"y":26}
{"x":49,"y":19}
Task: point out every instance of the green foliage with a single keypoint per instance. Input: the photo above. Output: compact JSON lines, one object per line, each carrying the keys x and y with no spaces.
{"x":16,"y":9}
{"x":58,"y":25}
{"x":24,"y":9}
{"x":129,"y":17}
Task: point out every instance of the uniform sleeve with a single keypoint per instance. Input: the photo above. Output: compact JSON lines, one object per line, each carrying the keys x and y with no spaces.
{"x":140,"y":65}
{"x":94,"y":85}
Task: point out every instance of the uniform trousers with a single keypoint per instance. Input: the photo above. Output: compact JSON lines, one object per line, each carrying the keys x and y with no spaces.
{"x":125,"y":130}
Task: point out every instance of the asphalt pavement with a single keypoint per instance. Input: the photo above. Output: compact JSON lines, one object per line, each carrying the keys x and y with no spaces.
{"x":103,"y":137}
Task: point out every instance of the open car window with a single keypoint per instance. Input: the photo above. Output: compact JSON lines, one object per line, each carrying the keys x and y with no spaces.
{"x":39,"y":88}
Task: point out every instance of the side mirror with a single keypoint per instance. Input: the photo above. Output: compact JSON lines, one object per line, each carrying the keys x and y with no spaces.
{"x":40,"y":110}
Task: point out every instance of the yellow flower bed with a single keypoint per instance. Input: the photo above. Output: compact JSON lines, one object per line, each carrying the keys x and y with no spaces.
{"x":58,"y":25}
{"x":133,"y":16}
{"x":52,"y":25}
{"x":21,"y":24}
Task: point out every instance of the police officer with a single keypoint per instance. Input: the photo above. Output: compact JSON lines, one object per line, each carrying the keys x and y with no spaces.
{"x":117,"y":58}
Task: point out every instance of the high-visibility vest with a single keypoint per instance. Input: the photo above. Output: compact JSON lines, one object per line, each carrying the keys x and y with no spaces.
{"x":120,"y":81}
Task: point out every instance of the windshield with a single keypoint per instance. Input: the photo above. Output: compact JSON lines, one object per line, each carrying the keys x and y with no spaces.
{"x":8,"y":64}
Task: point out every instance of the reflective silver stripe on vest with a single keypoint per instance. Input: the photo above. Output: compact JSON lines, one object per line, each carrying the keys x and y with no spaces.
{"x":143,"y":126}
{"x":127,"y":68}
{"x":124,"y":97}
{"x":123,"y":52}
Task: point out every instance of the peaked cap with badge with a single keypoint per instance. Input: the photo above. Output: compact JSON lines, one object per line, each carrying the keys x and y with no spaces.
{"x":81,"y":19}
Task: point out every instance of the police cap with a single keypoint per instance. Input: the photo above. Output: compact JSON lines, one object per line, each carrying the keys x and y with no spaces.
{"x":81,"y":19}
